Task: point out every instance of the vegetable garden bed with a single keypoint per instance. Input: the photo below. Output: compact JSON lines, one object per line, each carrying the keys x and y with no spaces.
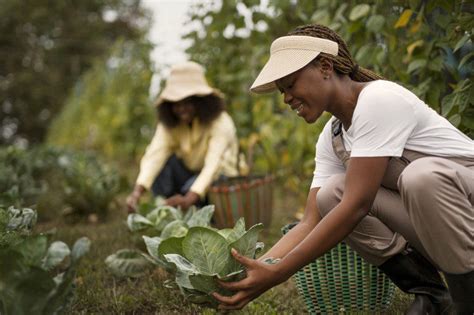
{"x":99,"y":292}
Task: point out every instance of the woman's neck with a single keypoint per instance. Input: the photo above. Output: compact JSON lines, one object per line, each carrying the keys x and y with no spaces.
{"x":347,"y":92}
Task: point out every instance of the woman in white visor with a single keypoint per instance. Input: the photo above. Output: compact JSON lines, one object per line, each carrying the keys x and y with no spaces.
{"x":393,"y":179}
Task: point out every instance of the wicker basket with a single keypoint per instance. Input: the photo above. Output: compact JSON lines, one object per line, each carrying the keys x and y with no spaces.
{"x":341,"y":281}
{"x":243,"y":196}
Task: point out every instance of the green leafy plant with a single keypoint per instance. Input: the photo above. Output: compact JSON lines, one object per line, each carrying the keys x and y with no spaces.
{"x":14,"y":224}
{"x":153,"y":222}
{"x":89,"y":186}
{"x":17,"y":185}
{"x":165,"y":221}
{"x":203,"y":256}
{"x":165,"y":243}
{"x":127,"y":263}
{"x":150,"y":227}
{"x":51,"y":178}
{"x":40,"y":278}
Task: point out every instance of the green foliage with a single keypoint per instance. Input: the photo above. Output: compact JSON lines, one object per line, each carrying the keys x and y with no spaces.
{"x":424,"y":45}
{"x":17,"y":185}
{"x":275,"y":139}
{"x":30,"y":287}
{"x":19,"y":219}
{"x":15,"y":224}
{"x":127,"y":263}
{"x":40,"y":279}
{"x":89,"y":186}
{"x":155,"y":229}
{"x":100,"y":292}
{"x":108,"y":111}
{"x":45,"y":46}
{"x":152,"y":223}
{"x":169,"y":241}
{"x":50,"y":178}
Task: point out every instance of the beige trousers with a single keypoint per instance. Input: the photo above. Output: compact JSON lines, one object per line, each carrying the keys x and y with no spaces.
{"x":432,"y":209}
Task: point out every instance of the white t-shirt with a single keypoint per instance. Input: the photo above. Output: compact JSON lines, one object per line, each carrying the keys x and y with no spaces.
{"x":388,"y":119}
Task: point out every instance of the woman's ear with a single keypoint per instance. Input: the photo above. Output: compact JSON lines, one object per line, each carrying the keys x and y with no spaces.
{"x":326,"y":65}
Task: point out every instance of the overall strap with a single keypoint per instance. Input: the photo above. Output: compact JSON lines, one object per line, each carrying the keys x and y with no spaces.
{"x":338,"y":142}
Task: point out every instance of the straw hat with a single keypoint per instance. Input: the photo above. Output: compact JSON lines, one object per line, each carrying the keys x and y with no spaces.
{"x":186,"y":79}
{"x":289,"y":54}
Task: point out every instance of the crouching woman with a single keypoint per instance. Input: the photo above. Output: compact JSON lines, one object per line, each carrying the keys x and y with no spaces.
{"x":195,"y":141}
{"x":393,"y":179}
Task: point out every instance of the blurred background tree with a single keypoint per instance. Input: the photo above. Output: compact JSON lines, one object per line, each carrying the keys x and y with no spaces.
{"x":45,"y":46}
{"x":424,"y":45}
{"x":109,"y":111}
{"x":83,"y":68}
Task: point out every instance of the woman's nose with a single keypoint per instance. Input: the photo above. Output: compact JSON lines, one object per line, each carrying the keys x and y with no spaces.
{"x":179,"y":108}
{"x":287,"y":97}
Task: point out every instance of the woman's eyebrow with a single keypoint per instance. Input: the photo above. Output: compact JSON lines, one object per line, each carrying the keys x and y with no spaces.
{"x":278,"y":84}
{"x":281,"y":83}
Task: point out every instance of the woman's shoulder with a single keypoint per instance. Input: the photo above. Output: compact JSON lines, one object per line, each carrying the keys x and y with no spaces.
{"x":223,"y":121}
{"x":223,"y":118}
{"x":385,"y":97}
{"x":380,"y":89}
{"x":380,"y":100}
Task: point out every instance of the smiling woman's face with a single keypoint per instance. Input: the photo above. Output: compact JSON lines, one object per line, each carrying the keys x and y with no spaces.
{"x":184,"y":110}
{"x":306,"y":92}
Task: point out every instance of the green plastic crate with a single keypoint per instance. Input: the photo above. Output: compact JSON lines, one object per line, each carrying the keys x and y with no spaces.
{"x":340,"y":281}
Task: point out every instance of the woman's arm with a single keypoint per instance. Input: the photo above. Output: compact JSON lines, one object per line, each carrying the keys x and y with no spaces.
{"x":222,"y":135}
{"x":155,"y":157}
{"x":300,"y":231}
{"x":363,"y":179}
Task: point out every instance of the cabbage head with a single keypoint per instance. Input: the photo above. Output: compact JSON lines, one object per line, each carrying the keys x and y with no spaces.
{"x":203,"y":256}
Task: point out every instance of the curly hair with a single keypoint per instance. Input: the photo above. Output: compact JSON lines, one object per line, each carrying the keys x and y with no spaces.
{"x":343,"y":62}
{"x":207,"y":108}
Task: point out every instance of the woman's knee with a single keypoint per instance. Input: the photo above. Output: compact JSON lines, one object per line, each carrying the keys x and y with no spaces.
{"x":330,"y":194}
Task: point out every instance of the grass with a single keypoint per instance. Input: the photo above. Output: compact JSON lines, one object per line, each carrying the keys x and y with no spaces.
{"x":98,"y":292}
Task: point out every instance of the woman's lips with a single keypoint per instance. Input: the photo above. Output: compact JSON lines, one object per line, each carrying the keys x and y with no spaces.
{"x":299,"y":109}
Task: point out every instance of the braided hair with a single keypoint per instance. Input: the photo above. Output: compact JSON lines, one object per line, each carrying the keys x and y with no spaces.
{"x":343,"y":62}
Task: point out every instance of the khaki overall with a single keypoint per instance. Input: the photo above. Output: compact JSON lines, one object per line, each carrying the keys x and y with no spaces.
{"x":426,"y":201}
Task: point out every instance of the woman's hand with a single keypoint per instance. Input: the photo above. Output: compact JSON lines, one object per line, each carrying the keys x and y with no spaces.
{"x":132,"y":202}
{"x":184,"y":202}
{"x":260,"y":277}
{"x":133,"y":199}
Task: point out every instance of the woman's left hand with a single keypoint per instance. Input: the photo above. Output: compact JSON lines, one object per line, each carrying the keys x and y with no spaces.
{"x":184,"y":202}
{"x":260,"y":277}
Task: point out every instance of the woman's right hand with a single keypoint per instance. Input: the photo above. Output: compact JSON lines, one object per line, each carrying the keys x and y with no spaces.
{"x":133,"y":199}
{"x":260,"y":277}
{"x":132,"y":202}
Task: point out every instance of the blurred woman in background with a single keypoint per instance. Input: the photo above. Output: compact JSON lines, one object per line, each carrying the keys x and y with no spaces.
{"x":195,"y":141}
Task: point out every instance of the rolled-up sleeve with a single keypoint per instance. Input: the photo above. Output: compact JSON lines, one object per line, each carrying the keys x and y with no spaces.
{"x":155,"y":157}
{"x":222,"y":136}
